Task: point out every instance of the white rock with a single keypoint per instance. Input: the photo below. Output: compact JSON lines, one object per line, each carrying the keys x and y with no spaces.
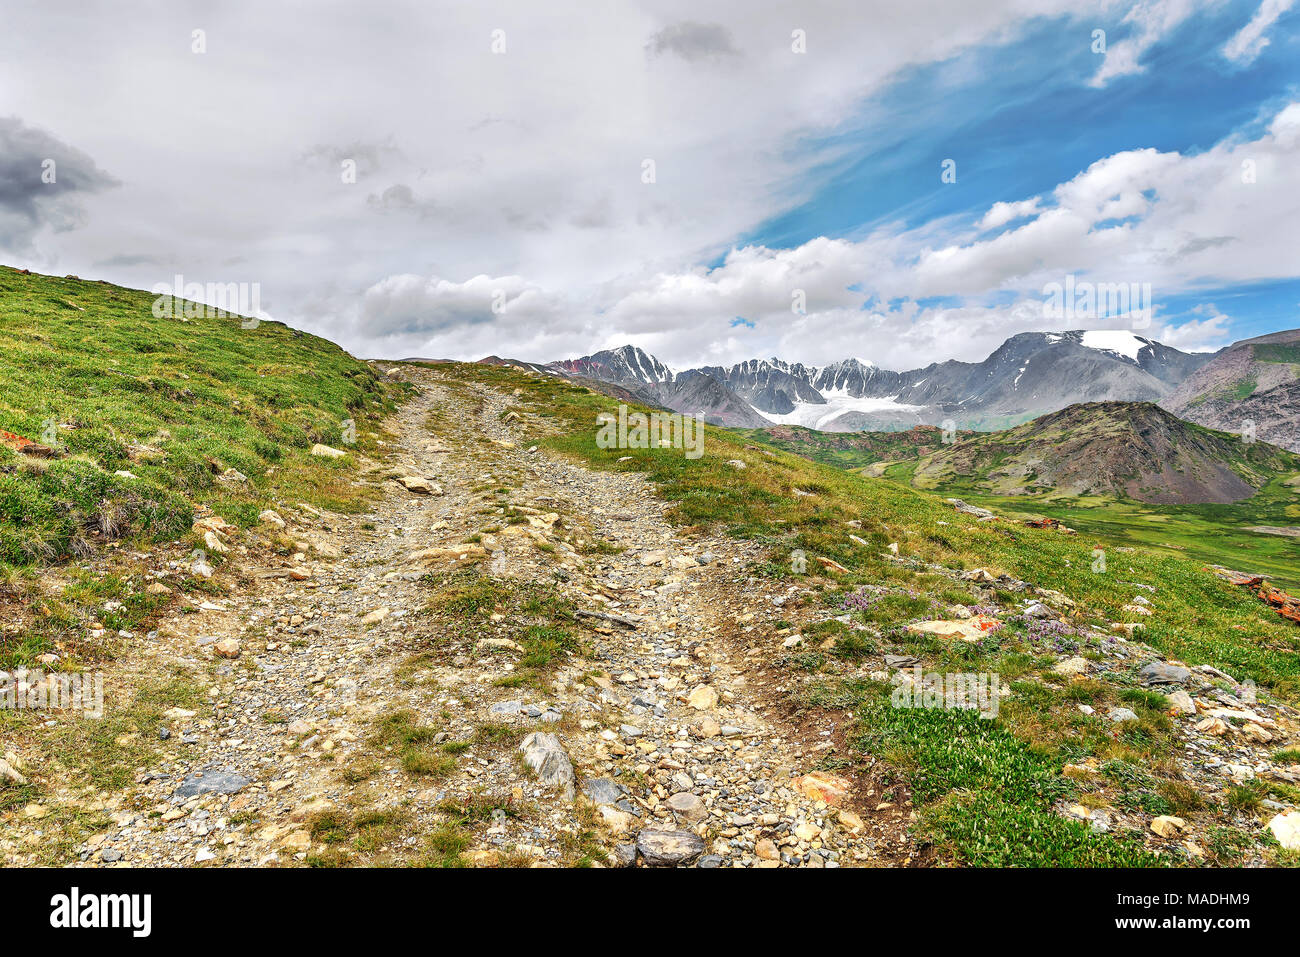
{"x":1286,"y":828}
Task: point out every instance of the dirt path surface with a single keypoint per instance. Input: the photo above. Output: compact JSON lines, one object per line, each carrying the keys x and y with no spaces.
{"x":424,"y":693}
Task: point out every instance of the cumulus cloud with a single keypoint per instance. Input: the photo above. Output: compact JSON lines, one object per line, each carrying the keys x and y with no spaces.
{"x":1000,"y":214}
{"x":1172,"y":222}
{"x":523,"y":171}
{"x":1196,"y":335}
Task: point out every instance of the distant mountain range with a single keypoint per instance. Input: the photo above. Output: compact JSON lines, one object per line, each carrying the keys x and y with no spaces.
{"x":1028,"y":375}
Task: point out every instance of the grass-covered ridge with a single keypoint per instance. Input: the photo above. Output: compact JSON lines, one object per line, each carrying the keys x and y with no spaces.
{"x":1250,"y":534}
{"x":176,"y":403}
{"x":988,"y":792}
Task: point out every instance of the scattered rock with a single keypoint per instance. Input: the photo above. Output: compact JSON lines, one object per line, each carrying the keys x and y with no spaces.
{"x":1163,"y":673}
{"x":211,"y":782}
{"x":1167,"y":825}
{"x":543,"y":753}
{"x":972,"y":629}
{"x":703,"y":698}
{"x":602,"y":790}
{"x":376,"y":616}
{"x":660,"y":848}
{"x":1286,"y":828}
{"x":688,"y":808}
{"x":419,"y":485}
{"x":1071,"y":666}
{"x":824,"y":786}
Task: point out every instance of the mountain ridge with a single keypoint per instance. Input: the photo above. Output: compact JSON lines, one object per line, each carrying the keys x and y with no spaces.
{"x":1251,"y":385}
{"x":1133,"y":450}
{"x":1029,"y":374}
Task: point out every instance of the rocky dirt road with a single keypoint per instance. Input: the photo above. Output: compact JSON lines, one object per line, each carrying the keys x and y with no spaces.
{"x":351,"y":716}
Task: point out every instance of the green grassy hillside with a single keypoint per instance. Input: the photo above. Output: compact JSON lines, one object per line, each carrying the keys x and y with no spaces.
{"x":850,"y":450}
{"x":152,"y":417}
{"x":987,"y":790}
{"x":87,"y":366}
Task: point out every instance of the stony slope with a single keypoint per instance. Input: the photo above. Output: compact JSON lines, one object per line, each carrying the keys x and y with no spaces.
{"x":367,"y":694}
{"x":1136,"y":450}
{"x":384,"y":717}
{"x":1255,"y":381}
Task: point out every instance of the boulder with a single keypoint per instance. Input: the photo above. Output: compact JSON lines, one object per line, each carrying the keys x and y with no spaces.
{"x":419,"y":485}
{"x":543,"y":753}
{"x":971,"y":629}
{"x":659,"y":848}
{"x":1163,"y":673}
{"x":703,"y":698}
{"x":688,"y":808}
{"x":1286,"y":828}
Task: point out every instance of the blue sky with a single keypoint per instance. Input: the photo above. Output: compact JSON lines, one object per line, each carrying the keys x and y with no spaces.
{"x":1020,"y":118}
{"x":500,"y":202}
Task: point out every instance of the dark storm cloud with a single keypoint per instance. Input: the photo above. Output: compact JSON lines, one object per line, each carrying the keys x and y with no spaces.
{"x":693,"y":41}
{"x":40,"y":180}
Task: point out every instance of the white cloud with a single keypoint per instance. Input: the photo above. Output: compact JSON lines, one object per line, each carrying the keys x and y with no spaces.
{"x":522,"y":172}
{"x":1178,"y":223}
{"x":1196,"y":335}
{"x":1150,"y":21}
{"x":525,"y":163}
{"x":1248,"y":42}
{"x":1000,"y":214}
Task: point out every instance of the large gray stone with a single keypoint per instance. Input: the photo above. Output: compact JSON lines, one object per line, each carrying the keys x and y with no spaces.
{"x":602,"y":790}
{"x":1163,"y":673}
{"x":688,"y":808}
{"x":211,"y":781}
{"x":544,"y":754}
{"x":668,"y":848}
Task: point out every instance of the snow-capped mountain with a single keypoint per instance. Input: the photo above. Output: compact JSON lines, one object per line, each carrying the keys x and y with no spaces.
{"x":769,"y":385}
{"x":1028,"y":375}
{"x":856,"y":377}
{"x":624,"y":366}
